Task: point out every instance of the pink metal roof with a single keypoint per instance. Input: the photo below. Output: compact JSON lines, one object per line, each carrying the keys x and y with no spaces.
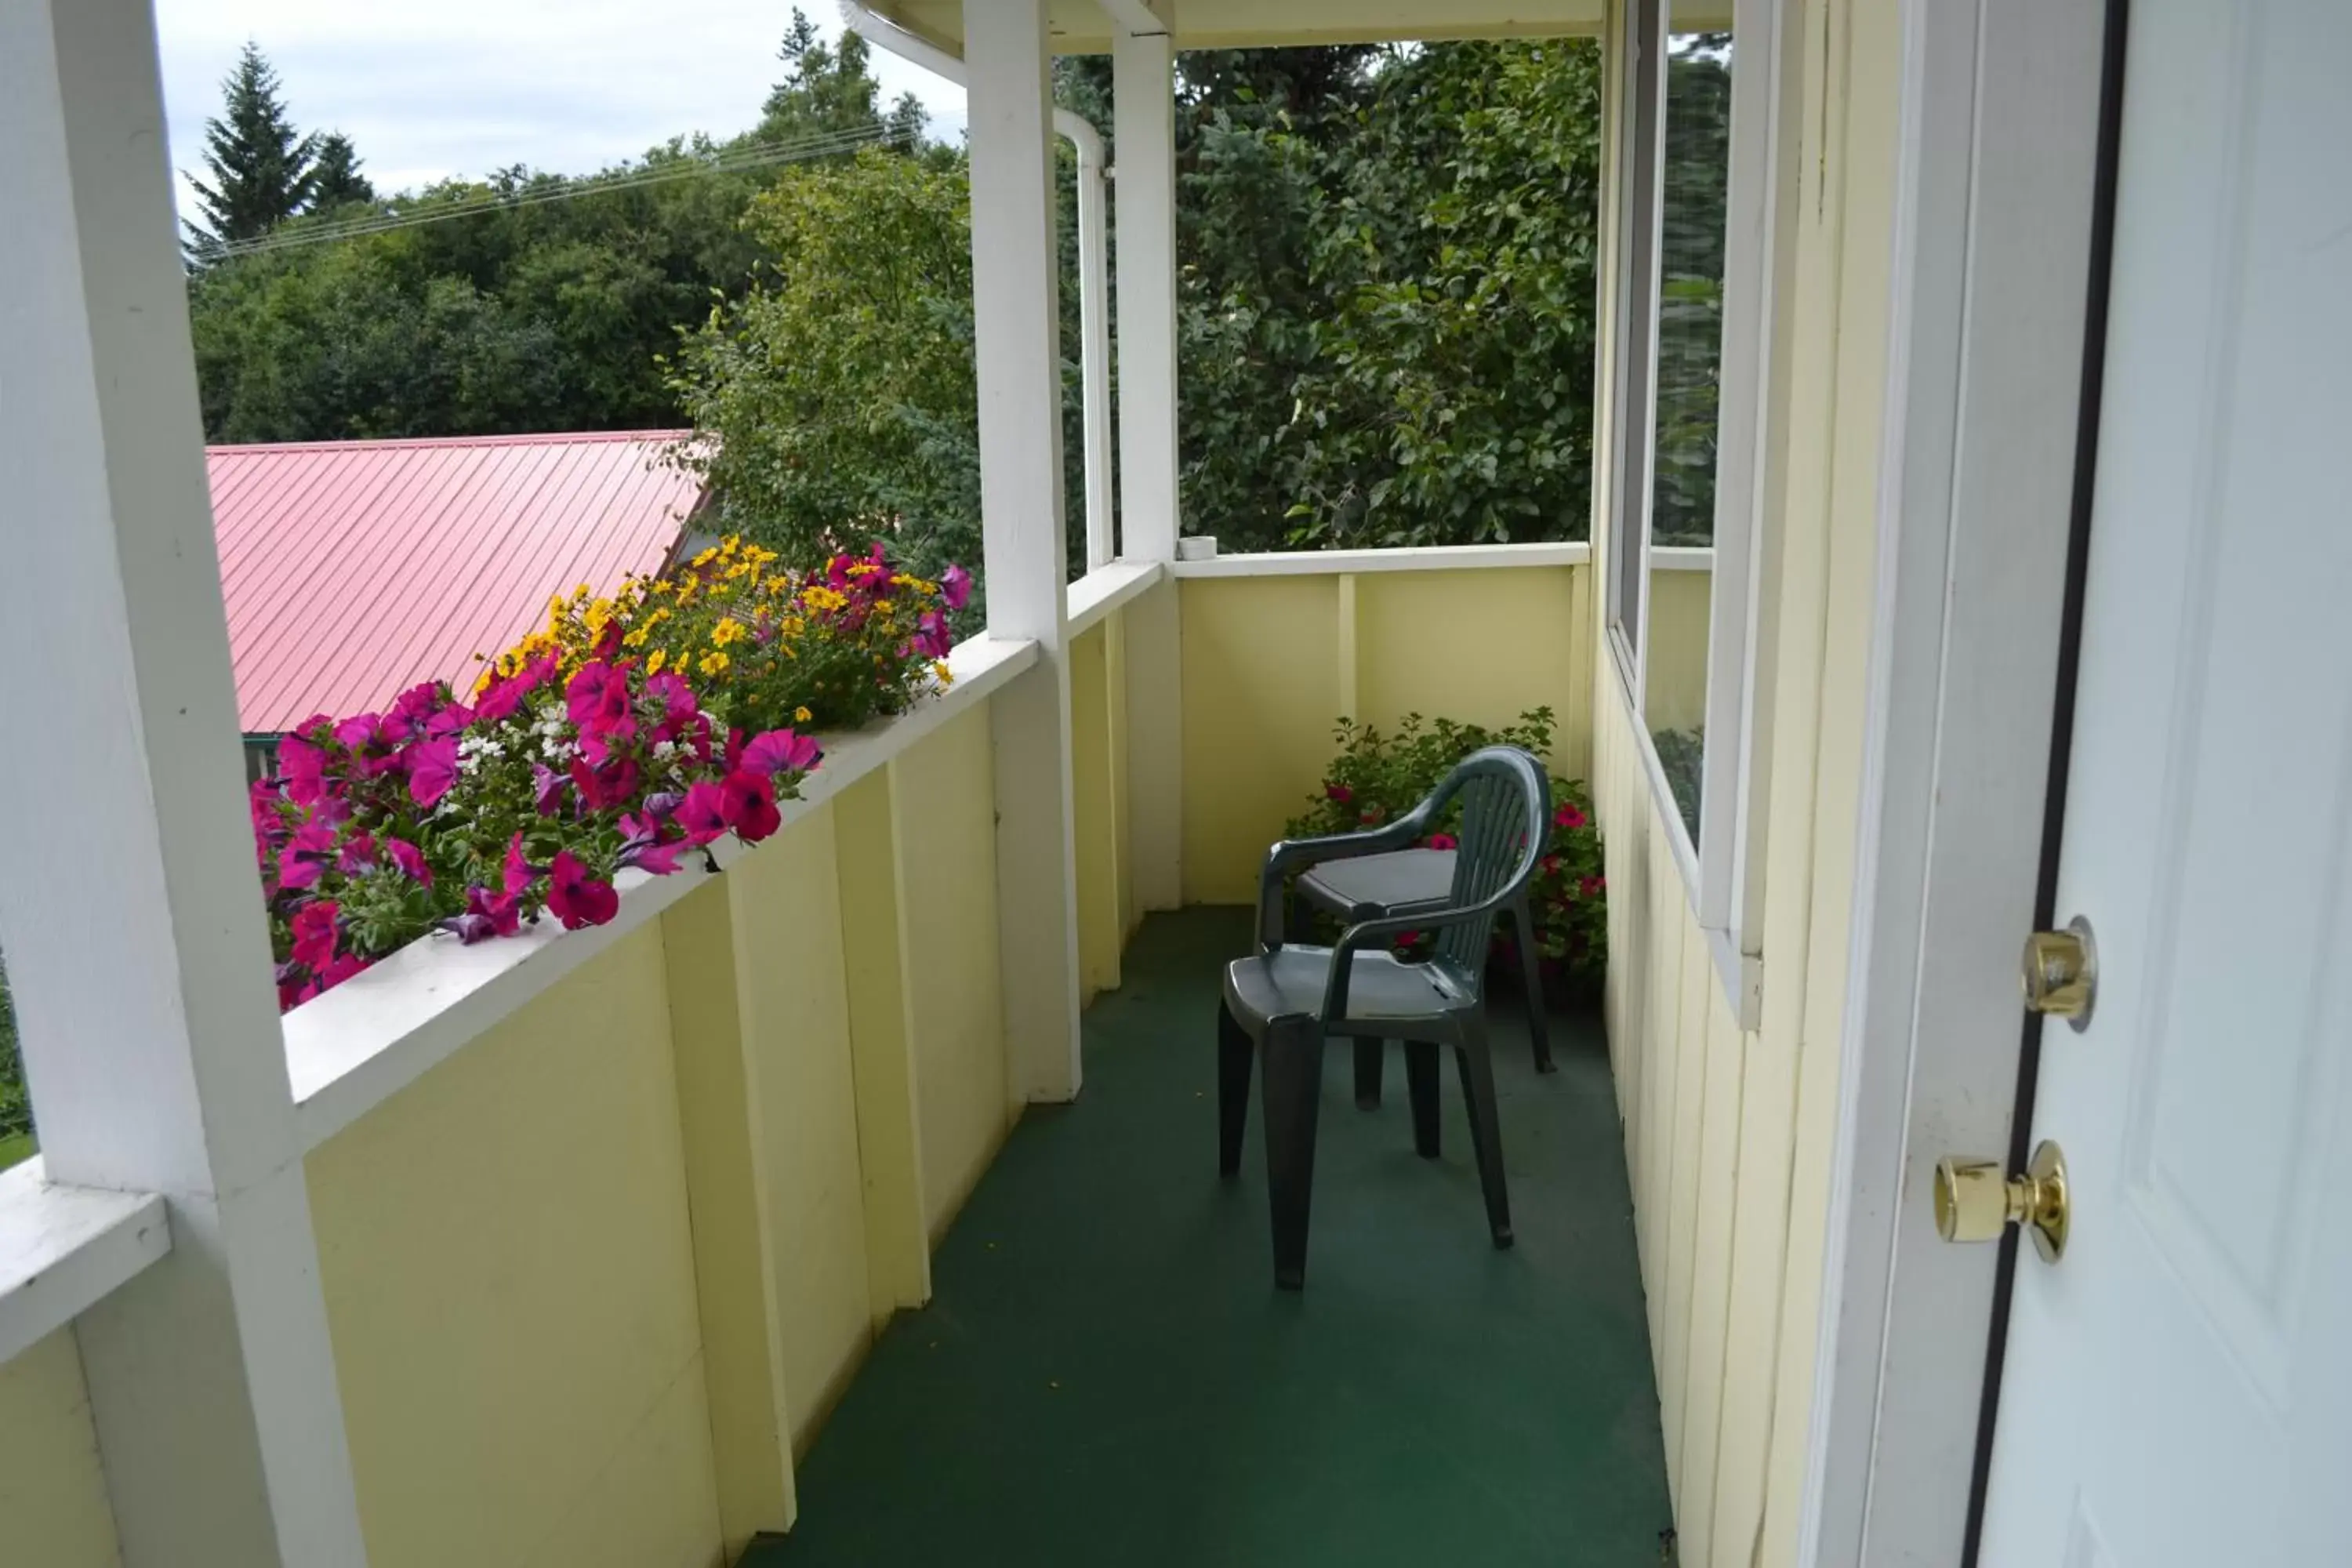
{"x":355,"y":569}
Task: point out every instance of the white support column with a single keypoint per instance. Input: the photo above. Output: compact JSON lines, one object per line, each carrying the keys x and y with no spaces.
{"x":1144,"y":105}
{"x":1014,"y":280}
{"x":130,"y":910}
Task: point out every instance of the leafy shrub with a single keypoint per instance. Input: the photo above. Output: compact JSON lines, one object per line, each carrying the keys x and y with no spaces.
{"x":1378,"y":775}
{"x":15,"y":1106}
{"x":1682,"y":753}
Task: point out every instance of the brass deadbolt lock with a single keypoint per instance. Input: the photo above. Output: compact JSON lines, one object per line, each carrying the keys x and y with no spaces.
{"x":1974,"y":1202}
{"x":2061,"y":972}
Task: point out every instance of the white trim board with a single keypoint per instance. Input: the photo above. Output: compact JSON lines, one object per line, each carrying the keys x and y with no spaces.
{"x":354,"y":1047}
{"x":63,"y":1249}
{"x":1995,"y":181}
{"x":1430,"y":558}
{"x":1106,"y":588}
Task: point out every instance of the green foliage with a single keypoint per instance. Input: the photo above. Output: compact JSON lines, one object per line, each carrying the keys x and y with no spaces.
{"x":262,"y":167}
{"x":534,"y":314}
{"x":15,"y":1105}
{"x":1378,"y":775}
{"x":1690,"y":301}
{"x":839,"y":389}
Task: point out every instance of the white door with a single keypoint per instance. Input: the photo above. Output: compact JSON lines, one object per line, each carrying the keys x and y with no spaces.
{"x":2178,"y":1391}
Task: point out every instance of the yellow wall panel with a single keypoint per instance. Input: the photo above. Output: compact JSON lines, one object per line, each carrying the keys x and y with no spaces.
{"x":53,"y":1507}
{"x":787,"y":911}
{"x":1261,"y":689}
{"x":1481,"y":647}
{"x":945,"y":791}
{"x":509,"y":1283}
{"x":1095,"y":816}
{"x":1710,"y":1284}
{"x":1689,"y":1048}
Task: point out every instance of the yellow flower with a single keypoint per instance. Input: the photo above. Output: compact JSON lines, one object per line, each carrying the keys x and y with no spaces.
{"x":712,"y":663}
{"x":637,"y":638}
{"x":802,"y":715}
{"x":656,"y":659}
{"x":940,"y":667}
{"x":727,"y":630}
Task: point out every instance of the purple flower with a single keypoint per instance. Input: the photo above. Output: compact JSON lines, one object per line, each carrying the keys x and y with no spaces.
{"x":546,"y":788}
{"x":306,"y":854}
{"x":410,"y":860}
{"x":302,"y":762}
{"x":678,"y":705}
{"x":357,"y":854}
{"x":955,"y":587}
{"x":432,"y":769}
{"x":780,"y":750}
{"x":576,"y":896}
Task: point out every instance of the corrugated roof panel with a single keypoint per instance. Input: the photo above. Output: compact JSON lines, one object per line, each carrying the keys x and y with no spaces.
{"x":355,"y":569}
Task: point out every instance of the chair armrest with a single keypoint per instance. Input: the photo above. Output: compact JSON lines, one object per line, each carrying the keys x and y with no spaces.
{"x":1296,"y":854}
{"x":1343,"y":955}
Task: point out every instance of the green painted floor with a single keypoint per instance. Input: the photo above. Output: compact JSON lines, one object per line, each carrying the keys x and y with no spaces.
{"x":1107,"y":1375}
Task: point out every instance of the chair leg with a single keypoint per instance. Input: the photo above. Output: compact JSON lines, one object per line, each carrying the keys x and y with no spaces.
{"x":1485,"y":1134}
{"x":1291,"y":1081}
{"x":1420,"y":1083}
{"x":1233,"y":1052}
{"x":1532,"y":965}
{"x":1367,"y":1073}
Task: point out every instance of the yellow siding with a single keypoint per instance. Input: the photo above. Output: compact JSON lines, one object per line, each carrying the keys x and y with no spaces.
{"x":510,"y":1282}
{"x":53,"y":1507}
{"x":1270,"y":663}
{"x":1093,"y":783}
{"x":1729,"y":1134}
{"x":1261,"y":663}
{"x":787,"y":911}
{"x":946,"y":808}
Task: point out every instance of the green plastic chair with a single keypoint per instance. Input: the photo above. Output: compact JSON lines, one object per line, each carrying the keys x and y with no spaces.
{"x":1411,"y":882}
{"x":1282,"y":1002}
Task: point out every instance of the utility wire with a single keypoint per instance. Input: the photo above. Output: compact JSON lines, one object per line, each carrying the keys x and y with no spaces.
{"x":758,"y":155}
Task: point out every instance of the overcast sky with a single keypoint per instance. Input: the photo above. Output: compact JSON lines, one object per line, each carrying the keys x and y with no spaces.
{"x":427,"y":89}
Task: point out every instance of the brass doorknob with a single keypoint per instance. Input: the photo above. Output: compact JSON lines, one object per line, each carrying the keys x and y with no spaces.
{"x":1974,"y":1202}
{"x":2061,"y":972}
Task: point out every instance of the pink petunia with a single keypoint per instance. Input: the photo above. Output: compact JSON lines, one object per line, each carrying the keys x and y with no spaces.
{"x":955,"y":587}
{"x":1568,"y":817}
{"x":432,"y":769}
{"x":749,"y":803}
{"x":780,"y":751}
{"x":1588,"y":885}
{"x":1444,"y":841}
{"x":703,"y":812}
{"x":1338,"y":794}
{"x":546,"y":788}
{"x":302,"y":762}
{"x":410,"y":860}
{"x":357,"y":854}
{"x":679,"y":708}
{"x":578,"y":897}
{"x":598,"y":699}
{"x":603,"y":787}
{"x":307,"y":852}
{"x":315,"y":937}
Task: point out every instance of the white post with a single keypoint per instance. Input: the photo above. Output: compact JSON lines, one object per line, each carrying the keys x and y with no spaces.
{"x":1014,"y":280}
{"x":130,"y":910}
{"x":1144,"y":106}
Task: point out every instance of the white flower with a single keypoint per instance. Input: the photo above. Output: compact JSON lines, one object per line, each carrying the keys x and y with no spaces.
{"x":664,"y":750}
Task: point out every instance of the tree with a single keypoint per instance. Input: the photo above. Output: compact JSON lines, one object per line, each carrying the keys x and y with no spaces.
{"x":262,"y":169}
{"x":828,"y":91}
{"x":838,"y":392}
{"x":336,"y":181}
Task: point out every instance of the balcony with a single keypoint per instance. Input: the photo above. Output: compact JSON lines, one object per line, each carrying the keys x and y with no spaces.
{"x":735,"y":1211}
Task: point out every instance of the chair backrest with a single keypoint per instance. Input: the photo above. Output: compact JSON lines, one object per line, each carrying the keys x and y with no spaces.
{"x":1505,"y":817}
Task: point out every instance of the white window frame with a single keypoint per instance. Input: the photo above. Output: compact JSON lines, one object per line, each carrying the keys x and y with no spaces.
{"x":1723,"y":873}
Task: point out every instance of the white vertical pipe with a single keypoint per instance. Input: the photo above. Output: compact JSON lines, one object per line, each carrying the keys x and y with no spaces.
{"x":1143,"y":90}
{"x":1015,"y":306}
{"x":1094,"y":265}
{"x":131,"y":917}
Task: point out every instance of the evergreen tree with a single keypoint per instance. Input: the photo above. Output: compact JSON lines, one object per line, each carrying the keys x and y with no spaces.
{"x":262,"y":169}
{"x":828,"y":91}
{"x":335,"y":179}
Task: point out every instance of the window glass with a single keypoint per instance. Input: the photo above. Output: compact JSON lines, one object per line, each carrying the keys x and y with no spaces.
{"x":1696,"y":158}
